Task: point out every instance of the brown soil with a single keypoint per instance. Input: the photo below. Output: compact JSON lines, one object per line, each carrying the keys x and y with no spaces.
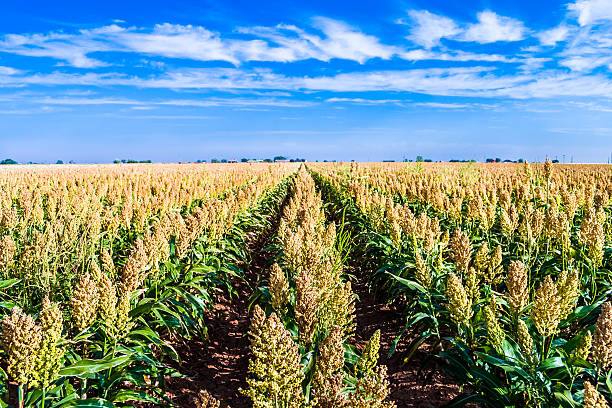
{"x":220,"y":366}
{"x":409,"y":388}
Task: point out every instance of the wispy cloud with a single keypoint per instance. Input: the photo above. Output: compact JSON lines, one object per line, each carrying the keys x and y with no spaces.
{"x":280,"y":44}
{"x":554,"y":35}
{"x":428,"y":28}
{"x":492,"y":27}
{"x":591,"y":11}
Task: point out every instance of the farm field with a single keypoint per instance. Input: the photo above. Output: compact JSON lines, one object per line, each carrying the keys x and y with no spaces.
{"x":306,"y":285}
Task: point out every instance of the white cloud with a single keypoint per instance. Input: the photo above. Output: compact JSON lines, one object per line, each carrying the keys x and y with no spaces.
{"x":174,"y":41}
{"x":64,"y":47}
{"x":150,"y":104}
{"x":281,"y":44}
{"x":554,"y":35}
{"x":591,"y":11}
{"x":346,"y":42}
{"x":340,"y":41}
{"x":9,"y":71}
{"x":444,"y":105}
{"x":493,"y":28}
{"x":462,"y":56}
{"x":429,"y":28}
{"x":585,"y":63}
{"x":364,"y":101}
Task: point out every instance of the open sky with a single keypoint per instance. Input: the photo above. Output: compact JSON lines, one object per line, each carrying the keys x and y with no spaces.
{"x":181,"y":80}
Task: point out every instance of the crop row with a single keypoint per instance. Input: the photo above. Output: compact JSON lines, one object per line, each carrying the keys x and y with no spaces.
{"x":502,"y":273}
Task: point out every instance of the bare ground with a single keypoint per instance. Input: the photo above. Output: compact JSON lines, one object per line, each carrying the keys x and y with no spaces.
{"x":221,"y":366}
{"x":409,"y":387}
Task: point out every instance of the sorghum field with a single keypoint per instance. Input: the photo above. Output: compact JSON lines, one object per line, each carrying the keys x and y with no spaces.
{"x":319,"y":285}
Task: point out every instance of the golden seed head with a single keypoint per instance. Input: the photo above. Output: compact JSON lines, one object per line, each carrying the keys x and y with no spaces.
{"x":8,"y":249}
{"x":602,"y":338}
{"x":275,"y":366}
{"x":517,"y":285}
{"x":494,"y":330}
{"x":584,"y":346}
{"x":459,"y":304}
{"x":567,"y":289}
{"x":84,"y":302}
{"x":546,"y":310}
{"x":524,"y":340}
{"x":422,"y":272}
{"x":548,"y":168}
{"x":461,"y":250}
{"x":21,"y":338}
{"x":327,"y":378}
{"x":495,"y":262}
{"x":481,"y":259}
{"x":278,"y":288}
{"x":369,"y":357}
{"x":372,"y":391}
{"x":50,"y":354}
{"x":306,"y":305}
{"x":592,"y":397}
{"x":205,"y":400}
{"x":472,"y":284}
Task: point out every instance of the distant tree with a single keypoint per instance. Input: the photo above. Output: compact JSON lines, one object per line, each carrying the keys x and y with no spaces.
{"x":555,"y":161}
{"x":214,"y":161}
{"x":244,"y":160}
{"x":59,"y":162}
{"x":145,"y":161}
{"x":427,"y":160}
{"x":8,"y":161}
{"x":131,"y":161}
{"x":223,"y":160}
{"x":71,"y":162}
{"x":123,"y":161}
{"x":116,"y":161}
{"x":419,"y":159}
{"x":497,"y":160}
{"x":277,"y":158}
{"x":521,"y":160}
{"x":268,"y":160}
{"x":489,"y":160}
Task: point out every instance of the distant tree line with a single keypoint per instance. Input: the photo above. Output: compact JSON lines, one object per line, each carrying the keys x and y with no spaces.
{"x":130,"y":161}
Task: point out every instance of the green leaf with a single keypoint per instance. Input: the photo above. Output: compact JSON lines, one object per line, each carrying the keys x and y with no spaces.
{"x":550,"y":363}
{"x":85,"y":367}
{"x":565,"y":399}
{"x":134,"y":395}
{"x":7,"y":283}
{"x":89,"y":403}
{"x":412,"y":285}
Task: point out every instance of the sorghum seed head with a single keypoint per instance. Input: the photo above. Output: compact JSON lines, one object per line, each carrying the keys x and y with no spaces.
{"x":602,"y":338}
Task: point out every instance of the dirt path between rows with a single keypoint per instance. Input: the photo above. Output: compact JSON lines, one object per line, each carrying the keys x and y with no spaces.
{"x":220,"y":366}
{"x":409,"y":388}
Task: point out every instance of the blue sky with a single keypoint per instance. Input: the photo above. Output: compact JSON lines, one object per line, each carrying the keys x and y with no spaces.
{"x":188,"y":80}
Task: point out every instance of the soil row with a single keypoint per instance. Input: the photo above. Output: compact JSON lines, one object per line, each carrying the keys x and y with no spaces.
{"x":220,"y":365}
